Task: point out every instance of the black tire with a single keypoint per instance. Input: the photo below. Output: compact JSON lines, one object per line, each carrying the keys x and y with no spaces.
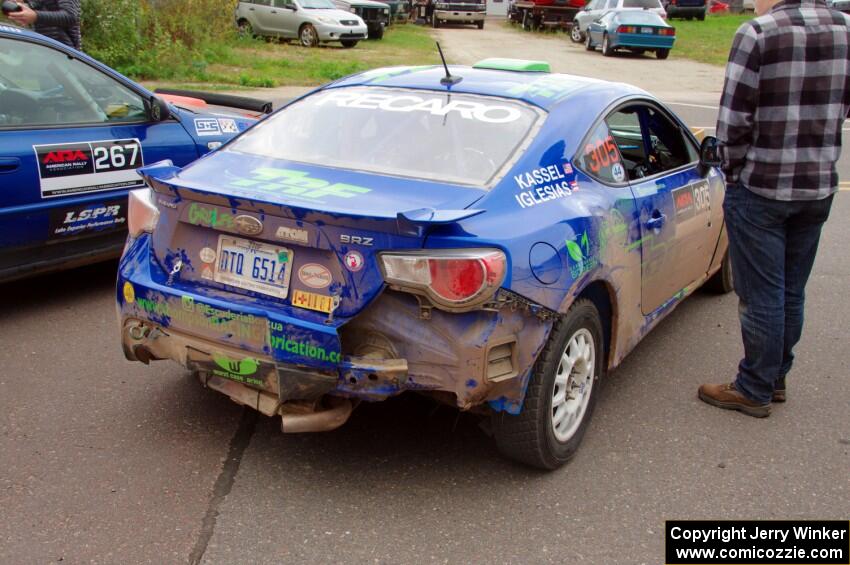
{"x":689,"y":18}
{"x":245,"y":29}
{"x":307,"y":36}
{"x":588,"y":44}
{"x":435,"y":23}
{"x":701,"y":17}
{"x":529,"y":436}
{"x":662,"y":53}
{"x":480,"y":24}
{"x":575,"y":33}
{"x":607,"y":50}
{"x":348,"y":43}
{"x":377,"y":34}
{"x":722,"y":281}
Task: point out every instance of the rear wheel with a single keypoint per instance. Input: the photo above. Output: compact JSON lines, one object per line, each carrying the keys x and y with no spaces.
{"x":307,"y":36}
{"x":662,"y":53}
{"x":588,"y":44}
{"x":377,"y":34}
{"x":607,"y":50}
{"x":722,"y":281}
{"x":701,"y":17}
{"x":348,"y":43}
{"x":561,"y":394}
{"x":575,"y":33}
{"x":435,"y":23}
{"x":480,"y":24}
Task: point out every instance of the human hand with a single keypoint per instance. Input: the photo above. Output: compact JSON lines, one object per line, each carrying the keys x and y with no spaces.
{"x":25,"y":17}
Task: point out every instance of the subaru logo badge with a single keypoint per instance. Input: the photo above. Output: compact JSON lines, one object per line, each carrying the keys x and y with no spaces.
{"x":248,"y":225}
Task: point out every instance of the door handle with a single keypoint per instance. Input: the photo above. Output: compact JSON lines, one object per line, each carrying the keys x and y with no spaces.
{"x":656,"y":221}
{"x":9,"y":164}
{"x":274,"y":11}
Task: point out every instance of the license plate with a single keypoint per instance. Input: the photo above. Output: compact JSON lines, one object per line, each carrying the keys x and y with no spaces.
{"x":252,"y":265}
{"x":648,"y":30}
{"x":313,"y":301}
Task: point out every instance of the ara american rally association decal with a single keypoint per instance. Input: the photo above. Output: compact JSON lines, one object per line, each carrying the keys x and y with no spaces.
{"x":75,"y":168}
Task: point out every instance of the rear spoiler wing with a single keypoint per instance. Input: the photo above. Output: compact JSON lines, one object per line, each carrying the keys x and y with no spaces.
{"x":238,"y":102}
{"x":158,"y":177}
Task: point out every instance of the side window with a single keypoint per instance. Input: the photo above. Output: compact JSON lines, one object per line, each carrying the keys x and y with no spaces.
{"x":626,"y":131}
{"x":282,"y":3}
{"x":600,"y":157}
{"x":262,"y":2}
{"x":669,"y":147}
{"x":58,"y":90}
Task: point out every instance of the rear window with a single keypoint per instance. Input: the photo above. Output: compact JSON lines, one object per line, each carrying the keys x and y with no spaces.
{"x":641,"y":4}
{"x":454,"y":138}
{"x":642,"y":18}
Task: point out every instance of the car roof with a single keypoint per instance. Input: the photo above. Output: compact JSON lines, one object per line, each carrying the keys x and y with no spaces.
{"x":544,"y":90}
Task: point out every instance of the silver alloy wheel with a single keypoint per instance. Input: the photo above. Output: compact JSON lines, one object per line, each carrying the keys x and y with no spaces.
{"x":605,"y":48}
{"x":575,"y":33}
{"x":307,"y":38}
{"x":573,"y":384}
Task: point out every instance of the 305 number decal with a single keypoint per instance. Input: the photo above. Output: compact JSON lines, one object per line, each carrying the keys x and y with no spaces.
{"x":601,"y":154}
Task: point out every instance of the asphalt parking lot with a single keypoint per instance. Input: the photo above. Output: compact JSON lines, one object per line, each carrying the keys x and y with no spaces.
{"x":107,"y":461}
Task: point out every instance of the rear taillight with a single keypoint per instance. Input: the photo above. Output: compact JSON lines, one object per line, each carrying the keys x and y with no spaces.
{"x":627,"y":29}
{"x":668,"y":31}
{"x":453,"y":279}
{"x":142,"y":214}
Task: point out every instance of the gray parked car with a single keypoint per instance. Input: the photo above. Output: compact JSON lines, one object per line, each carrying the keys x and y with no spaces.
{"x":375,"y":14}
{"x":308,"y":21}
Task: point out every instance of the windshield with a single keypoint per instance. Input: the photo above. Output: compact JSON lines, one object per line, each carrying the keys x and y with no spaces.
{"x":641,"y":4}
{"x":456,"y":138}
{"x":318,"y":4}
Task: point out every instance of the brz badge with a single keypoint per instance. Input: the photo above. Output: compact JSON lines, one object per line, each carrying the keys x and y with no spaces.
{"x":355,"y":239}
{"x":248,"y":225}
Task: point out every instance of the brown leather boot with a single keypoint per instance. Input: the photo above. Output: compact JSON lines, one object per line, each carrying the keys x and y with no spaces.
{"x":727,"y":396}
{"x":779,"y":391}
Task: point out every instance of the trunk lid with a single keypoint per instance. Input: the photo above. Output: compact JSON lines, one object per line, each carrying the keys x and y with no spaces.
{"x":300,"y":238}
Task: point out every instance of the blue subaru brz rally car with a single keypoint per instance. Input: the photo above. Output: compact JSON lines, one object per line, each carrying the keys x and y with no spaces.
{"x":496,"y":239}
{"x":72,"y":134}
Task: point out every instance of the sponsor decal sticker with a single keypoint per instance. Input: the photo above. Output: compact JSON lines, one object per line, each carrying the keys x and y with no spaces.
{"x":297,"y":346}
{"x":692,"y":200}
{"x":465,"y":109}
{"x":228,"y":125}
{"x":353,"y":261}
{"x":207,"y":126}
{"x":11,"y":29}
{"x":129,"y":293}
{"x":208,"y":255}
{"x":541,"y":185}
{"x":315,"y":275}
{"x":618,"y":172}
{"x":207,"y":273}
{"x":579,"y":251}
{"x":74,"y":168}
{"x":166,"y":203}
{"x":313,"y":301}
{"x":292,"y":234}
{"x":199,"y":215}
{"x":297,"y":184}
{"x":87,"y":218}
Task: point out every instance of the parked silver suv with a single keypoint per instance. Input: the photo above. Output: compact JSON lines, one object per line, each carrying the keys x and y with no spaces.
{"x":308,"y":21}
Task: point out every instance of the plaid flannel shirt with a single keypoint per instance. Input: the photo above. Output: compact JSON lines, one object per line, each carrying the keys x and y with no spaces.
{"x":785,"y":98}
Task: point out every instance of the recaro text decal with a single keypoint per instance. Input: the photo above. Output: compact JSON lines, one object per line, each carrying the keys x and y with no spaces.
{"x":492,"y":114}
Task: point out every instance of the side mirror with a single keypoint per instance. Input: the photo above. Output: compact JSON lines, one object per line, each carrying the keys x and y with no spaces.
{"x":159,"y":109}
{"x":709,"y":154}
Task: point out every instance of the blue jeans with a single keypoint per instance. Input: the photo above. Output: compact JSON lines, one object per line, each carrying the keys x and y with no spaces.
{"x":772,"y":246}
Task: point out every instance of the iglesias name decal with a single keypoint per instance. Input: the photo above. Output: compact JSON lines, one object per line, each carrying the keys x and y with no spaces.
{"x":544,"y":184}
{"x":74,"y":168}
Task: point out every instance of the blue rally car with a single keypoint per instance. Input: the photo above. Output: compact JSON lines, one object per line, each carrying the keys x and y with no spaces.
{"x":496,"y":239}
{"x":72,"y":134}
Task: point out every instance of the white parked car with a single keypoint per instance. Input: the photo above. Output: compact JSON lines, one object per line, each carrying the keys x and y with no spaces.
{"x":308,"y":21}
{"x":596,"y":8}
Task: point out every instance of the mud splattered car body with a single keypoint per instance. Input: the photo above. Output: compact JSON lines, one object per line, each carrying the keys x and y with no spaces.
{"x":425,"y":237}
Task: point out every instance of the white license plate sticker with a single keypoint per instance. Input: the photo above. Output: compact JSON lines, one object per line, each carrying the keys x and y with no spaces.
{"x":252,"y":265}
{"x":648,"y":30}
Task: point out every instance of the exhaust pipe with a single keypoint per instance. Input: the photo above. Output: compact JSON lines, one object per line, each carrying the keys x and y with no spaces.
{"x":323,"y":421}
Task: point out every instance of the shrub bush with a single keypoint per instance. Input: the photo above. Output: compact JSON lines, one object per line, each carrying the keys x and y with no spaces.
{"x":157,"y":39}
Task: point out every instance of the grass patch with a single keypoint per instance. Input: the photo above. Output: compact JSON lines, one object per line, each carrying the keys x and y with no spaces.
{"x":708,"y":41}
{"x":271,"y":63}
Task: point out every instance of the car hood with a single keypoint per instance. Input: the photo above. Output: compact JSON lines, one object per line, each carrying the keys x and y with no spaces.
{"x":335,"y":14}
{"x":302,"y":188}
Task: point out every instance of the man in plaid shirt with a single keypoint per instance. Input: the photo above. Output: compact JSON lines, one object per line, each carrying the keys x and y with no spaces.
{"x":786,"y":95}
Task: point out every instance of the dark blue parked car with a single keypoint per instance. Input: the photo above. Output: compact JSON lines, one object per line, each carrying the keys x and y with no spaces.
{"x":497,"y":239}
{"x":72,"y":134}
{"x":636,"y":31}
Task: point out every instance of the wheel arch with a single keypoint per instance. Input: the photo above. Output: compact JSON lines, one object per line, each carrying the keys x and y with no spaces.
{"x":604,"y":298}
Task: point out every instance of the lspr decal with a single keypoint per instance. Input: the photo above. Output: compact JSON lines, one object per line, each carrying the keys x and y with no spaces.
{"x":88,"y":218}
